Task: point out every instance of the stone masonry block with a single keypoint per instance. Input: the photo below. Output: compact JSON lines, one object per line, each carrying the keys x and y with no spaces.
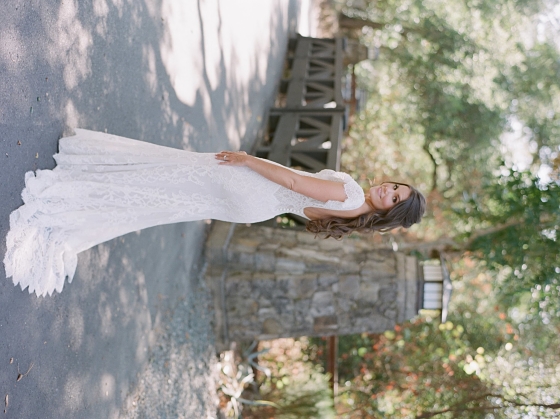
{"x":282,"y":306}
{"x":240,"y":307}
{"x":301,"y":314}
{"x":327,"y":279}
{"x":239,"y":275}
{"x":369,"y":291}
{"x":265,"y":313}
{"x":242,"y":230}
{"x":372,"y":324}
{"x":349,"y":268}
{"x":269,"y":246}
{"x":288,"y":252}
{"x":325,"y":325}
{"x":302,"y":286}
{"x":365,"y":307}
{"x":306,"y":238}
{"x":319,"y":267}
{"x":281,"y":288}
{"x":264,"y":276}
{"x":271,"y":326}
{"x":248,"y":231}
{"x":348,"y":247}
{"x":322,"y":304}
{"x":285,"y":237}
{"x":244,"y":245}
{"x":387,"y":309}
{"x":344,"y":323}
{"x":388,"y":293}
{"x":379,"y":269}
{"x":345,"y":305}
{"x":240,"y":258}
{"x":308,"y":255}
{"x":349,"y":285}
{"x":241,"y":288}
{"x":290,"y":265}
{"x":390,"y":313}
{"x":264,"y":302}
{"x":264,"y":287}
{"x":265,"y":261}
{"x":329,"y":244}
{"x":381,"y":255}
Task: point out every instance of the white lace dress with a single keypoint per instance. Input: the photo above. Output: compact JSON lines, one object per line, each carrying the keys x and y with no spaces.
{"x":105,"y":186}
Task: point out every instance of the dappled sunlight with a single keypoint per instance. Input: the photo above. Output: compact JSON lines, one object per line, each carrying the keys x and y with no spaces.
{"x":184,"y":74}
{"x":73,"y":43}
{"x":232,"y":62}
{"x":12,"y":50}
{"x":100,"y":8}
{"x":183,"y":66}
{"x":73,"y":390}
{"x":107,"y":386}
{"x":72,"y":115}
{"x":105,"y":313}
{"x":12,"y":54}
{"x":150,"y":76}
{"x":76,"y":327}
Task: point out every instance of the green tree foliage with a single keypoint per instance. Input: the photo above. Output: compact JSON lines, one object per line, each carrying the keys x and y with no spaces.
{"x":451,"y":80}
{"x":457,"y":86}
{"x":515,"y":231}
{"x":533,"y":85}
{"x":454,"y":75}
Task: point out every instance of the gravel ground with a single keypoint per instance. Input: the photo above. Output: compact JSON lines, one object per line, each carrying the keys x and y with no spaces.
{"x":179,"y":380}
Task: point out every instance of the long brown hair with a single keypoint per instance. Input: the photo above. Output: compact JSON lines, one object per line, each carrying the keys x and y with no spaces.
{"x":404,"y":214}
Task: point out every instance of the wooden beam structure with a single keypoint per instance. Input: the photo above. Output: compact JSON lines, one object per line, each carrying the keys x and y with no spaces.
{"x":306,"y":133}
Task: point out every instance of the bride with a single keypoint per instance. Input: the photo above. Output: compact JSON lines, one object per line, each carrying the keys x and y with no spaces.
{"x":105,"y":186}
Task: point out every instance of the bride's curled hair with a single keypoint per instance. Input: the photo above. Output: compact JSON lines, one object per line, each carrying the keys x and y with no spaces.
{"x":403,"y":214}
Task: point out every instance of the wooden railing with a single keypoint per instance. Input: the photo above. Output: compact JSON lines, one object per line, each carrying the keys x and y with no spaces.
{"x":306,"y":131}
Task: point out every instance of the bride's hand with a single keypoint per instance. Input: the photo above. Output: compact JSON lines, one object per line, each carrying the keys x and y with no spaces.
{"x":232,"y":158}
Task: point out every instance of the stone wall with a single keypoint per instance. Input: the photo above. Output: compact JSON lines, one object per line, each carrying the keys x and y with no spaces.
{"x":269,"y":283}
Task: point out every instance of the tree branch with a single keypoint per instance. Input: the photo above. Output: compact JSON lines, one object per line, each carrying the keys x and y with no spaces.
{"x":453,"y":408}
{"x":491,"y":230}
{"x":426,"y":148}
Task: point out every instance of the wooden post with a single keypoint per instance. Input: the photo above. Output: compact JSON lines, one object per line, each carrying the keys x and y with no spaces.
{"x":332,"y":367}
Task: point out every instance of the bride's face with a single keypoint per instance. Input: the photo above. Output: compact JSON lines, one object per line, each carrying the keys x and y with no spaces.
{"x":387,"y":195}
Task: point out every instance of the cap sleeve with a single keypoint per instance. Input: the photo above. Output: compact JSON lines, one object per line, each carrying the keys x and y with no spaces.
{"x":354,"y":192}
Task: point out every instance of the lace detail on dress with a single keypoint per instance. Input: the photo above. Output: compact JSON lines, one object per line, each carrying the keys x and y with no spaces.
{"x":295,"y":203}
{"x":105,"y":186}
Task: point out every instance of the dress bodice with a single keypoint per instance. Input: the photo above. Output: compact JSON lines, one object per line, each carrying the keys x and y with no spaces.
{"x":295,"y":203}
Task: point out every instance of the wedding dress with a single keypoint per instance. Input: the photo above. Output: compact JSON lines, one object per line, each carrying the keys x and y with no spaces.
{"x":105,"y":186}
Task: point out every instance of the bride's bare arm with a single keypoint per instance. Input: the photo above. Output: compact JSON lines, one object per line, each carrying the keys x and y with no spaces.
{"x":322,"y":190}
